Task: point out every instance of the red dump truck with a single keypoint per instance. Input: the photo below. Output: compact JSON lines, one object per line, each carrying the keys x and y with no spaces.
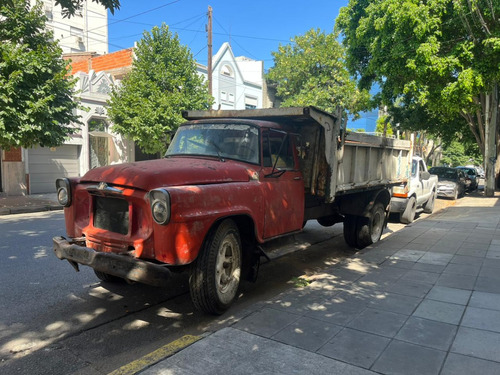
{"x":229,"y":182}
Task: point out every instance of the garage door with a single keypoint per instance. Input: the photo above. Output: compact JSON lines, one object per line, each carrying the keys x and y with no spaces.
{"x":47,"y":164}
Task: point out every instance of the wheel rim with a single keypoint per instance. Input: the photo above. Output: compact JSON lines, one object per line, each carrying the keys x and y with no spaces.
{"x":377,"y":225}
{"x":227,"y":269}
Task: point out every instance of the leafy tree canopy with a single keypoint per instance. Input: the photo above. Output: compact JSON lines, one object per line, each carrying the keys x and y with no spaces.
{"x":70,"y":7}
{"x":163,"y":82}
{"x":442,"y":55}
{"x":35,"y":91}
{"x":311,"y":71}
{"x":456,"y":153}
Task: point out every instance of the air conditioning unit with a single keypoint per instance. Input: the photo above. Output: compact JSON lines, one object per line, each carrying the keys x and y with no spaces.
{"x":78,"y":39}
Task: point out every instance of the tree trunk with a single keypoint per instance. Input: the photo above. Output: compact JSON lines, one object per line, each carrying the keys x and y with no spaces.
{"x":490,"y":154}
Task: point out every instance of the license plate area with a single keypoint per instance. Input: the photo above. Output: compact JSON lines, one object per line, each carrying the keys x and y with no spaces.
{"x":111,"y":214}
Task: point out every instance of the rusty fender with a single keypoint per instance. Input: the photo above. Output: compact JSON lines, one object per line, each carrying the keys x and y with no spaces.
{"x":123,"y":266}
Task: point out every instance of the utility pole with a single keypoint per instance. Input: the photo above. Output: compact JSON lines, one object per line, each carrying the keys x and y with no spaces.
{"x":209,"y":64}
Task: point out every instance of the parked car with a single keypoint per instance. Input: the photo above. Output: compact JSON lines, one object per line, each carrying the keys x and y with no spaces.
{"x":473,"y":175}
{"x":480,"y":171}
{"x":451,"y":182}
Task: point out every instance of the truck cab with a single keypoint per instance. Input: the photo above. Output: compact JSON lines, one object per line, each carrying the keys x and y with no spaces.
{"x":419,"y":194}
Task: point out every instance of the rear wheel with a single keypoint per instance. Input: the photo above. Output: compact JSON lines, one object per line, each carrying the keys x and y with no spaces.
{"x":350,"y":224}
{"x":215,"y":275}
{"x":408,"y":215}
{"x":429,"y":205}
{"x":369,"y":229}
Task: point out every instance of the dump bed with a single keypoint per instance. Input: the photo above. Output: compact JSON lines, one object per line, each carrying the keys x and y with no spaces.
{"x":333,"y":161}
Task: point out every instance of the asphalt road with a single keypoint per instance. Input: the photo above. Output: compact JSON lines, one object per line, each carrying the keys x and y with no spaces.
{"x":54,"y":320}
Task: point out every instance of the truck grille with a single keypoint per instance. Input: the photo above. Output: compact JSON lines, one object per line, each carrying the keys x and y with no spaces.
{"x":111,"y":214}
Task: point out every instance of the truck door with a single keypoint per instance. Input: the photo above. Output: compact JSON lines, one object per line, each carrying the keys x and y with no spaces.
{"x":283,"y":185}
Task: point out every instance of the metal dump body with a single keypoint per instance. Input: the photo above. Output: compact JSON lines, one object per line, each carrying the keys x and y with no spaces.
{"x":333,"y":162}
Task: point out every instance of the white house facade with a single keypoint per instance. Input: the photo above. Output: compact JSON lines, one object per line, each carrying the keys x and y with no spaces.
{"x":86,"y":31}
{"x":237,"y":82}
{"x":93,"y":145}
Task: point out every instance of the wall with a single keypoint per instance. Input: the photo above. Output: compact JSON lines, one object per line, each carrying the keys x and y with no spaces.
{"x":86,"y":31}
{"x":13,"y":176}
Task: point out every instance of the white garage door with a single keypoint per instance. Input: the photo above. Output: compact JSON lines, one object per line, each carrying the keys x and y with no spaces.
{"x":47,"y":164}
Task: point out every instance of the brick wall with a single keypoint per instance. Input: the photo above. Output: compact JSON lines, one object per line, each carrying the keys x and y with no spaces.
{"x":111,"y":61}
{"x":14,"y":154}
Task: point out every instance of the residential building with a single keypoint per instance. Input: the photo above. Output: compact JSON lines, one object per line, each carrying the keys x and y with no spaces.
{"x":237,"y":84}
{"x":86,"y":31}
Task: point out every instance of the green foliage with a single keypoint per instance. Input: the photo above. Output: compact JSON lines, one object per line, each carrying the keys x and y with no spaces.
{"x":163,"y":82}
{"x":35,"y":91}
{"x":311,"y":71}
{"x":383,"y":121}
{"x":70,"y":7}
{"x":456,"y":154}
{"x":441,"y":57}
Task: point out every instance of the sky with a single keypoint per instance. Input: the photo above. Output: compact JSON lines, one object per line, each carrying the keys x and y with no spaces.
{"x":254,"y":29}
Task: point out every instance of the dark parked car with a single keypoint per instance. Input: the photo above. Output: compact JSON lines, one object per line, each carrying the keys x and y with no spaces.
{"x":472,"y":174}
{"x":451,"y":182}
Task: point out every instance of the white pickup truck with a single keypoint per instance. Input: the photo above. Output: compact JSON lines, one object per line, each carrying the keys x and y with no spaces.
{"x":417,"y":195}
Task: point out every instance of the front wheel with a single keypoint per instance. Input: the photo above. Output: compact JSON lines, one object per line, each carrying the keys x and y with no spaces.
{"x":408,"y":215}
{"x":215,"y":275}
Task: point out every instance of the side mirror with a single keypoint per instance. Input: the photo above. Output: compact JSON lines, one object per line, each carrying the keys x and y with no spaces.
{"x":425,"y":175}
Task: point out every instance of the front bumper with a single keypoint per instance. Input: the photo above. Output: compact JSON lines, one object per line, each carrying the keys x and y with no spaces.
{"x":123,"y":266}
{"x":446,"y":192}
{"x":398,"y":205}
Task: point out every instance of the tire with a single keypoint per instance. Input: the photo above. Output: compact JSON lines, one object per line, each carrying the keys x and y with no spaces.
{"x":429,"y":205}
{"x":350,"y":225}
{"x":408,"y":215}
{"x":369,"y":229}
{"x":106,"y":277}
{"x":215,"y":275}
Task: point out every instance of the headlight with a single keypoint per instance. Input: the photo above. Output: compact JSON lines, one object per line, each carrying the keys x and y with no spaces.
{"x":63,"y":192}
{"x":159,"y":200}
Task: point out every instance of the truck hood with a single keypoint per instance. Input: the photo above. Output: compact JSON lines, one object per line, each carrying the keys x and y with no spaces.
{"x":147,"y":175}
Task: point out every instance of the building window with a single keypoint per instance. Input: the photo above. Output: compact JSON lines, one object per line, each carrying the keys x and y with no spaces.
{"x":227,"y":71}
{"x":223,"y":96}
{"x":250,"y":102}
{"x":231,"y":98}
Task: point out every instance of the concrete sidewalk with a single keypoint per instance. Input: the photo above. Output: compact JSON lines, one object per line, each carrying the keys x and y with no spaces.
{"x":426,"y":300}
{"x":20,"y":204}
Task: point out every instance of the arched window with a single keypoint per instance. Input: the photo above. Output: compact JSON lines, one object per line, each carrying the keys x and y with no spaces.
{"x":227,"y":71}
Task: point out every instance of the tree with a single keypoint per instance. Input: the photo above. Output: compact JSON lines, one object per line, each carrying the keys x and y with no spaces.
{"x":456,"y":153}
{"x":163,"y":82}
{"x":69,"y":7}
{"x":311,"y":71}
{"x":442,"y":55}
{"x":35,"y":90}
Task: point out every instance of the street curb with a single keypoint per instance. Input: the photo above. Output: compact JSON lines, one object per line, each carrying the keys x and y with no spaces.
{"x":26,"y":210}
{"x":156,"y":356}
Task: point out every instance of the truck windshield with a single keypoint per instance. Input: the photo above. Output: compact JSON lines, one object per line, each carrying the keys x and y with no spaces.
{"x":228,"y":141}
